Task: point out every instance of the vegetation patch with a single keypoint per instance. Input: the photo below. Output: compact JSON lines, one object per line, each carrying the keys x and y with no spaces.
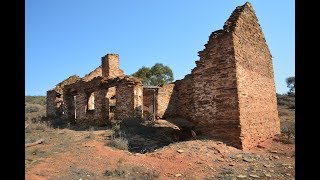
{"x":132,"y":172}
{"x":119,"y":142}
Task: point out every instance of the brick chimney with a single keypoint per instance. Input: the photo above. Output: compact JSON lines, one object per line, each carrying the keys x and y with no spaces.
{"x":110,"y":66}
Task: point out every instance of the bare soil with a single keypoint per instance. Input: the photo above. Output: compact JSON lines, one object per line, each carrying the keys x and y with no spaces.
{"x":71,"y":153}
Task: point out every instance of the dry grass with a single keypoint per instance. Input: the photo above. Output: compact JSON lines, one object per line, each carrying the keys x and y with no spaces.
{"x":35,"y":107}
{"x":286,"y":109}
{"x":118,"y":142}
{"x":38,"y":125}
{"x":132,"y":172}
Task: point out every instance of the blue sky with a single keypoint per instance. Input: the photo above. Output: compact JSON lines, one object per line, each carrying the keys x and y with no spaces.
{"x":70,"y":37}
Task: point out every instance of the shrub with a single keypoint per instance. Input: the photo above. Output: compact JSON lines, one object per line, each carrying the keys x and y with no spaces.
{"x":119,"y":142}
{"x":35,"y":100}
{"x":285,"y":100}
{"x":31,"y":108}
{"x":132,"y":172}
{"x":31,"y":125}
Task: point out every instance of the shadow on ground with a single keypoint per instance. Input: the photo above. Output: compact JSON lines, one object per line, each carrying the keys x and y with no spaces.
{"x":142,"y":136}
{"x":147,"y":136}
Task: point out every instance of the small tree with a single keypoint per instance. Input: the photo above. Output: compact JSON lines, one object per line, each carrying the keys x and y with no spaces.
{"x":160,"y":74}
{"x":291,"y":84}
{"x":144,"y":74}
{"x":157,"y":75}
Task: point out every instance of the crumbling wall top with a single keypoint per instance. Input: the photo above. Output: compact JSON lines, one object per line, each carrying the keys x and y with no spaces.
{"x":70,"y":80}
{"x":231,"y":23}
{"x":95,"y":73}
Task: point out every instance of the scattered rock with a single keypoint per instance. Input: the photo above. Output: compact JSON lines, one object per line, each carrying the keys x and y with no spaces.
{"x":220,"y":159}
{"x":288,"y":174}
{"x":268,"y":165}
{"x":247,"y":159}
{"x":89,"y":145}
{"x":238,"y":156}
{"x":177,"y":175}
{"x":271,"y":170}
{"x":180,"y":151}
{"x":254,"y":176}
{"x":273,"y":151}
{"x":276,"y":157}
{"x":286,"y":164}
{"x":232,"y":164}
{"x":241,"y":176}
{"x":260,"y":146}
{"x":33,"y":162}
{"x":215,"y":149}
{"x":268,"y":175}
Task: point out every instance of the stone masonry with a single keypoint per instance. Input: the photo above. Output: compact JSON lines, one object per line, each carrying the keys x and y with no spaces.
{"x":229,"y":95}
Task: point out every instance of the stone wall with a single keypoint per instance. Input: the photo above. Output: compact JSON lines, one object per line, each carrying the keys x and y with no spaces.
{"x":165,"y":104}
{"x":230,"y":94}
{"x":55,"y":97}
{"x":183,"y":92}
{"x":216,"y":110}
{"x":110,"y":66}
{"x":54,"y":103}
{"x":125,"y":101}
{"x":148,"y":101}
{"x":78,"y":110}
{"x":111,"y":103}
{"x":138,"y":101}
{"x":256,"y":89}
{"x":95,"y":73}
{"x":113,"y":100}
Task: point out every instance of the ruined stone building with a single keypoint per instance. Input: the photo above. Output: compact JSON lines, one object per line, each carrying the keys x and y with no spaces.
{"x":229,"y":95}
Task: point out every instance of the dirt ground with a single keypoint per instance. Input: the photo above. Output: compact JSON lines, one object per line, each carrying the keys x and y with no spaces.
{"x":84,"y":154}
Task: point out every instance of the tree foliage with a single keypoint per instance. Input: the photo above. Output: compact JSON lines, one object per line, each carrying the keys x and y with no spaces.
{"x":291,"y":84}
{"x":157,"y":75}
{"x":144,"y":74}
